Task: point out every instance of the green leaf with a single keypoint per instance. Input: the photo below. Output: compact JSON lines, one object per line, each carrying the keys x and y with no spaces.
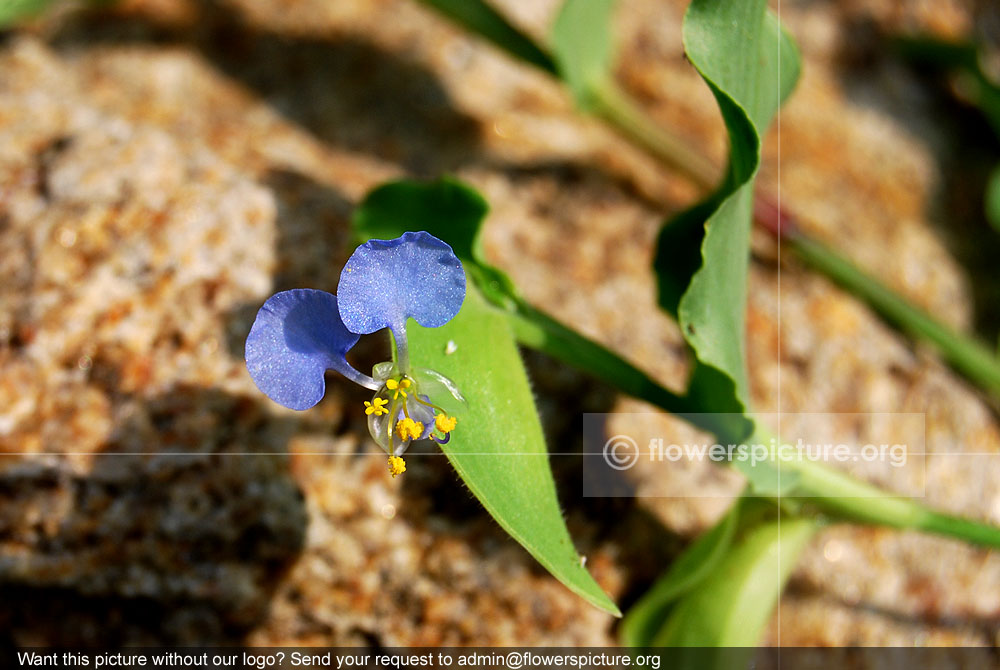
{"x":733,"y":46}
{"x":698,"y":561}
{"x":480,"y":17}
{"x":582,"y":44}
{"x":445,"y":208}
{"x":498,"y":449}
{"x":751,"y":65}
{"x":786,"y":60}
{"x":731,"y":606}
{"x":766,"y":477}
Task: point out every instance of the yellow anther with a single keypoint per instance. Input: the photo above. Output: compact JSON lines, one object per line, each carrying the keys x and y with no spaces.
{"x":409,"y":429}
{"x":377,"y":406}
{"x":445,"y":423}
{"x":397,"y":466}
{"x":398,"y":387}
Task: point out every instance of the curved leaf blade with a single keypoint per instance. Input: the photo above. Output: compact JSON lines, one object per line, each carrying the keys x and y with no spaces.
{"x":499,"y":450}
{"x":750,"y":65}
{"x":734,"y":46}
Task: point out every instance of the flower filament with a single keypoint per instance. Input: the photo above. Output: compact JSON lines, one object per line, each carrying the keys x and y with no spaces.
{"x":398,"y":387}
{"x":402,"y":413}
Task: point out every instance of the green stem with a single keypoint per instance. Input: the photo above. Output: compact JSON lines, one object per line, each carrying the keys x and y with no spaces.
{"x":533,"y":328}
{"x":621,"y":111}
{"x":965,"y":529}
{"x":837,"y":492}
{"x":969,"y":357}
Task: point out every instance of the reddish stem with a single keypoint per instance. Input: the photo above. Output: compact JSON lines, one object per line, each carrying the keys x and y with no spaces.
{"x":773,"y":218}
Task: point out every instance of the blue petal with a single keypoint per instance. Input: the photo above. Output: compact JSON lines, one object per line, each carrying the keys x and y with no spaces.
{"x":386,"y":282}
{"x":297,"y":336}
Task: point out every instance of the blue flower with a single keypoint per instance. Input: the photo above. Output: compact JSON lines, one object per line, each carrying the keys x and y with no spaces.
{"x":385,"y":282}
{"x":300,"y":334}
{"x":297,"y":336}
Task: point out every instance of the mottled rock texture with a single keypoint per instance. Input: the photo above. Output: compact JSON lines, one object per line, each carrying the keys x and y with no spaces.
{"x":164,"y":166}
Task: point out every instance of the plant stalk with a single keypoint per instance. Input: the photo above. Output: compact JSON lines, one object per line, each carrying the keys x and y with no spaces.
{"x":618,"y":109}
{"x":968,"y":356}
{"x":836,"y":492}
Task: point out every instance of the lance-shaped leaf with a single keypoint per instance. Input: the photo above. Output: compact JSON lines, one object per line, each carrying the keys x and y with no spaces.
{"x":499,"y":449}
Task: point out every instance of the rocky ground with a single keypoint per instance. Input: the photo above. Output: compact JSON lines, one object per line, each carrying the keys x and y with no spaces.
{"x":166,"y":165}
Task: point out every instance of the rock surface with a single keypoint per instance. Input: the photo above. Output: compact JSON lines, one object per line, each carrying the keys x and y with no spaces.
{"x":165,"y":167}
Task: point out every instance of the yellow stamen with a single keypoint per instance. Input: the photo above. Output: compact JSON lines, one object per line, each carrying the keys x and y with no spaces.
{"x":397,"y":387}
{"x":445,"y":423}
{"x":397,"y":466}
{"x":377,"y":406}
{"x":409,"y":429}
